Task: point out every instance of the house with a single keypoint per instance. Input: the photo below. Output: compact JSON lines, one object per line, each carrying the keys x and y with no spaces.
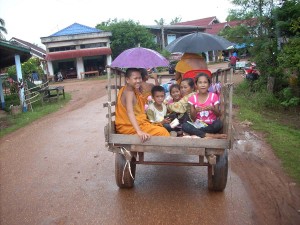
{"x":11,"y":54}
{"x":165,"y":34}
{"x":35,"y":51}
{"x":77,"y":50}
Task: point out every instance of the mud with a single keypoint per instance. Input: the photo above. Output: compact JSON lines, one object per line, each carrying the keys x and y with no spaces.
{"x":58,"y":171}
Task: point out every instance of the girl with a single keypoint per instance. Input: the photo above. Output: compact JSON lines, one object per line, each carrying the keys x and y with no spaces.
{"x":182,"y":108}
{"x":174,"y":93}
{"x":204,"y":110}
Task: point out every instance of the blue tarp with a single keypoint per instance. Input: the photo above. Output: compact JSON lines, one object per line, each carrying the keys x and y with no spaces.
{"x":242,"y":45}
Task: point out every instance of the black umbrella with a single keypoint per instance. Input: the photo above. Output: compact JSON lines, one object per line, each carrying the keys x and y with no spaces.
{"x":198,"y":42}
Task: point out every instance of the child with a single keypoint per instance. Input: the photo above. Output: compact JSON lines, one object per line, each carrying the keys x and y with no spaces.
{"x":182,"y":108}
{"x":130,"y":114}
{"x":204,"y":110}
{"x":157,"y":110}
{"x":174,"y":93}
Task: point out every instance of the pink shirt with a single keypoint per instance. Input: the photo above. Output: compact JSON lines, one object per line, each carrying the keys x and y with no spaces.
{"x":206,"y":116}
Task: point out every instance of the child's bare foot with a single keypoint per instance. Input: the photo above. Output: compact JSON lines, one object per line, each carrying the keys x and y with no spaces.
{"x":216,"y":136}
{"x":195,"y":136}
{"x":187,"y":136}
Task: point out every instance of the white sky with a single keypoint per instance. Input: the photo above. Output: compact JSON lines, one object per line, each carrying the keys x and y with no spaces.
{"x":30,"y":20}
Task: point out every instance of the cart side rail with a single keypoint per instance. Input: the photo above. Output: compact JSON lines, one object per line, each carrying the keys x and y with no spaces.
{"x":223,"y":76}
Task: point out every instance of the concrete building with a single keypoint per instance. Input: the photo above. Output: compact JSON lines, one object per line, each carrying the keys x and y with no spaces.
{"x":77,"y":50}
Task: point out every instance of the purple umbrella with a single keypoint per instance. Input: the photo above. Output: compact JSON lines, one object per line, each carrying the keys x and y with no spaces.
{"x":139,"y":58}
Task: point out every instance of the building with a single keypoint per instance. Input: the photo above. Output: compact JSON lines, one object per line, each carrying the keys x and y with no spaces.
{"x":77,"y":50}
{"x":35,"y":51}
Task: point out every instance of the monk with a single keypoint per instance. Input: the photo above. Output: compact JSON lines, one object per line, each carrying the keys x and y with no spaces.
{"x":130,"y":113}
{"x":145,"y":88}
{"x":189,"y":61}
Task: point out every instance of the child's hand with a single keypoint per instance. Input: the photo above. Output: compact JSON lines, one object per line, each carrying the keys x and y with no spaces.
{"x":143,"y":136}
{"x":208,"y":108}
{"x":154,"y":76}
{"x":166,"y":120}
{"x":199,"y":109}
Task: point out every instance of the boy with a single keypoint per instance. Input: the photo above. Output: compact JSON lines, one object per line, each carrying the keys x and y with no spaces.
{"x":130,"y":115}
{"x":157,"y":110}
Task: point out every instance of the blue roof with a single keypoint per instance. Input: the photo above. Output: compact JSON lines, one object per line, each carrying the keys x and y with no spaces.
{"x":76,"y":28}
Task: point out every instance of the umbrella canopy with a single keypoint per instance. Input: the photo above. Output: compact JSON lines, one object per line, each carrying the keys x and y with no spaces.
{"x":139,"y":58}
{"x":198,"y":42}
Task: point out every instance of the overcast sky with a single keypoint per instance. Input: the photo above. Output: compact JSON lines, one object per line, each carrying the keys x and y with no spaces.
{"x":30,"y":20}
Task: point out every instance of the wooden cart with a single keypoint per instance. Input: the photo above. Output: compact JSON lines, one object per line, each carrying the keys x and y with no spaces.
{"x":212,"y":153}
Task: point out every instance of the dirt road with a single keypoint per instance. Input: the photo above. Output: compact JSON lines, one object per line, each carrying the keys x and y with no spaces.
{"x":58,"y":171}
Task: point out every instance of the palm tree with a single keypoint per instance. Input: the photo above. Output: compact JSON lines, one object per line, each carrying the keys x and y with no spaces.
{"x":176,"y":20}
{"x":160,"y":22}
{"x":2,"y":28}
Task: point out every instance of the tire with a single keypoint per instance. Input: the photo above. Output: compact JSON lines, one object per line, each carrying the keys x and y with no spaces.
{"x":119,"y":166}
{"x":218,"y":181}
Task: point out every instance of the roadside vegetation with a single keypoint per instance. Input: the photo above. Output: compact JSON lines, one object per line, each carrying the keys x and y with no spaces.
{"x":280,"y":125}
{"x":271,"y":103}
{"x":10,"y":123}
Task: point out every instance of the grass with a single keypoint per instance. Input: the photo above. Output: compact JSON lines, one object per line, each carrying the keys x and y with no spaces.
{"x":12,"y":123}
{"x":280,"y":126}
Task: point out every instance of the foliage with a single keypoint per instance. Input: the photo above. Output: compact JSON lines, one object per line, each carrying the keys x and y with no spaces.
{"x":127,"y":34}
{"x":17,"y":121}
{"x":175,"y":20}
{"x":279,"y":125}
{"x":2,"y":29}
{"x":237,"y":34}
{"x":33,"y":64}
{"x":12,"y":99}
{"x":160,"y":22}
{"x":275,"y":24}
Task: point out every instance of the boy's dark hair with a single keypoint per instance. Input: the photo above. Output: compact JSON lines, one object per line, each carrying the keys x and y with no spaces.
{"x":190,"y":82}
{"x":157,"y":88}
{"x":174,"y":86}
{"x":144,"y":73}
{"x":202,"y":75}
{"x":129,"y":71}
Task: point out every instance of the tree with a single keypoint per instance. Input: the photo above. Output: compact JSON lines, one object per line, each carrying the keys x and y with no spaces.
{"x":28,"y":67}
{"x":127,"y":34}
{"x":175,"y":20}
{"x":2,"y":29}
{"x":160,"y":22}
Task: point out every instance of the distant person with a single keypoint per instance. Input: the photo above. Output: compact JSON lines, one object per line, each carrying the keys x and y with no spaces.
{"x":34,"y":76}
{"x":130,"y":113}
{"x":189,"y":61}
{"x":233,"y":59}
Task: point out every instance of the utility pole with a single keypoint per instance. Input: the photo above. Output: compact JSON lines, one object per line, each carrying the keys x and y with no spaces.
{"x":162,"y":36}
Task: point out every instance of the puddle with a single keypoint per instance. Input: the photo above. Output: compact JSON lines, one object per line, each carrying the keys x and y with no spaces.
{"x":248,"y":142}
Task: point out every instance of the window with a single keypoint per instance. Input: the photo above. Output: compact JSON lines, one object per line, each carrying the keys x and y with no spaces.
{"x":63,"y":48}
{"x":170,"y":38}
{"x":94,"y":45}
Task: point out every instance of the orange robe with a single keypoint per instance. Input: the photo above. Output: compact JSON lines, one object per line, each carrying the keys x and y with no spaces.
{"x":123,"y":124}
{"x":190,"y":61}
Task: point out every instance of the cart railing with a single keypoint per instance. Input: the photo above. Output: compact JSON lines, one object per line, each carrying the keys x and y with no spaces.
{"x":113,"y":140}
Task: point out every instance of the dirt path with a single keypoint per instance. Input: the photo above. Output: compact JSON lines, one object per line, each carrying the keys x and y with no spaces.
{"x":57,"y":171}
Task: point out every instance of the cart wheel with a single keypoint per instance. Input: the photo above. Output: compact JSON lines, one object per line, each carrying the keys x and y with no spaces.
{"x":217,"y":182}
{"x":119,"y":167}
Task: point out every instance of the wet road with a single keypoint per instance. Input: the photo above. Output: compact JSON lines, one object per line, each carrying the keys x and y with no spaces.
{"x":58,"y":171}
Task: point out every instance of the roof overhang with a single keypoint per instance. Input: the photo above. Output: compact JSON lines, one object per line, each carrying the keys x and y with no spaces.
{"x":51,"y":56}
{"x":8,"y":51}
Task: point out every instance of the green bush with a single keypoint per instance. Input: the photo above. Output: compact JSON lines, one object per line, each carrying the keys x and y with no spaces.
{"x":12,"y":99}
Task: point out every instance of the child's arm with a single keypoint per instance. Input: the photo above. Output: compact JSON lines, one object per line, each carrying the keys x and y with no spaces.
{"x":130,"y":100}
{"x":150,"y":115}
{"x":180,"y":106}
{"x":193,"y":112}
